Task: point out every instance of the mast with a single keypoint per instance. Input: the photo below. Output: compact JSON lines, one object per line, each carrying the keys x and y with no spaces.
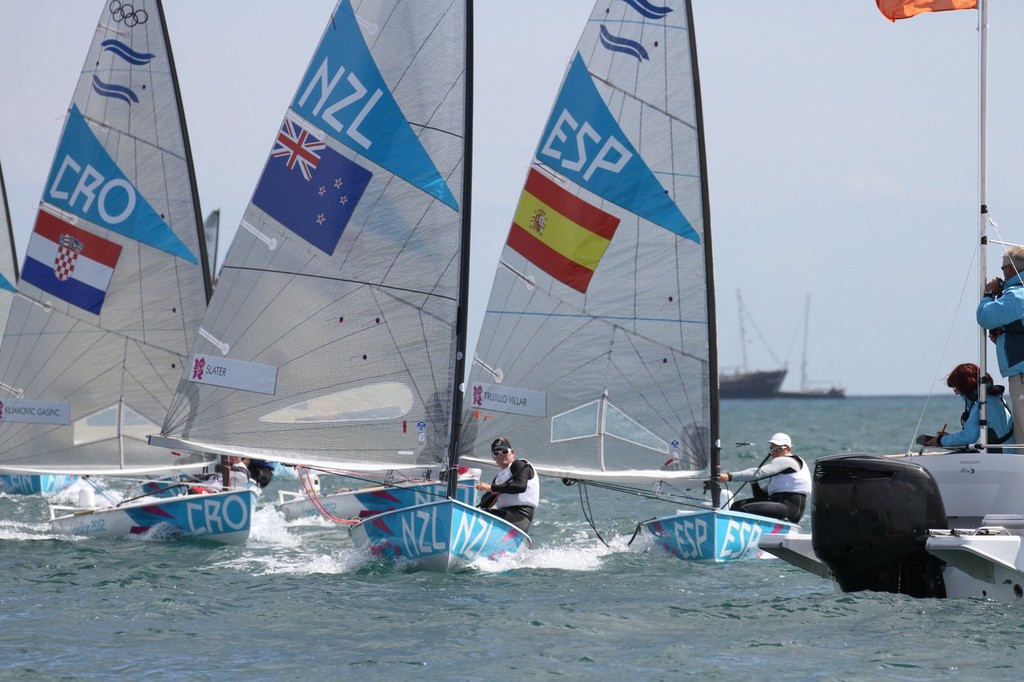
{"x":983,"y":207}
{"x":743,"y":332}
{"x":715,"y":444}
{"x":803,"y":356}
{"x":10,"y":227}
{"x":198,"y":217}
{"x":462,"y":316}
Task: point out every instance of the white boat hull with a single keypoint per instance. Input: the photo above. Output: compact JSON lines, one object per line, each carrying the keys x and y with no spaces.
{"x":983,"y":498}
{"x":223,"y":517}
{"x":796,"y":549}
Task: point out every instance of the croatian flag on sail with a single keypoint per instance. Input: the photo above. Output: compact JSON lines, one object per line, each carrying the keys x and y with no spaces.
{"x":70,"y":263}
{"x":309,"y":188}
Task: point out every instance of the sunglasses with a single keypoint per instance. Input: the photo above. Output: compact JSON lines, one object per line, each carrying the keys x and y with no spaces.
{"x":776,"y":448}
{"x":499,"y":453}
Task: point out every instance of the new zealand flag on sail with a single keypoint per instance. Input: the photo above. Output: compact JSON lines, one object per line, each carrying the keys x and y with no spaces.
{"x":309,"y":188}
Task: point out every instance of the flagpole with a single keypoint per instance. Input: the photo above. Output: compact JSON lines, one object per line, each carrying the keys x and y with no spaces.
{"x":983,"y":207}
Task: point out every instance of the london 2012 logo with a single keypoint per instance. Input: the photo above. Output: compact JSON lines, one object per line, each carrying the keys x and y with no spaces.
{"x":197,"y":368}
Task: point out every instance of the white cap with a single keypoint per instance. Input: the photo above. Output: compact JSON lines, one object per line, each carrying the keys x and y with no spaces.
{"x":781,"y":439}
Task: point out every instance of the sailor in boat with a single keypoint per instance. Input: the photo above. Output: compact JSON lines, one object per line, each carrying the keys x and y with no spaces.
{"x":1001,"y":311}
{"x":515,"y":492}
{"x":232,"y":472}
{"x":964,"y":382}
{"x":787,"y":483}
{"x":261,"y":472}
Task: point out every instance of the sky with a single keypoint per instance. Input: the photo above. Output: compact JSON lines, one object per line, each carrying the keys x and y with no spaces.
{"x":843,"y":155}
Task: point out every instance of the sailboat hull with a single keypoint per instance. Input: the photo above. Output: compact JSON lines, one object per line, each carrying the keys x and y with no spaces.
{"x":353,"y":504}
{"x":713,"y":536}
{"x":35,"y":484}
{"x":223,"y":517}
{"x":441,"y":536}
{"x":751,"y":384}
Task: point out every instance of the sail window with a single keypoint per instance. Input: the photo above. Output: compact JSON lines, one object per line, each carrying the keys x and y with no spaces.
{"x":582,"y":422}
{"x":387,"y":400}
{"x":619,"y":425}
{"x":579,"y":422}
{"x":102,"y":425}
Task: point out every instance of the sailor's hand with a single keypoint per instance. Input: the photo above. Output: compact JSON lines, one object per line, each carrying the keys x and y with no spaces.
{"x":486,"y":487}
{"x":724,"y":477}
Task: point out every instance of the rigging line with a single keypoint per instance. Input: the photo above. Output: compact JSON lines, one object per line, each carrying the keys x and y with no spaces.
{"x":633,"y":96}
{"x":611,"y":319}
{"x":588,"y":512}
{"x":387,"y":482}
{"x":154,"y":492}
{"x":675,"y":498}
{"x":148,"y":144}
{"x":314,"y":498}
{"x":636,"y":532}
{"x":766,"y":458}
{"x":762,"y":337}
{"x":306,"y":275}
{"x":945,"y":347}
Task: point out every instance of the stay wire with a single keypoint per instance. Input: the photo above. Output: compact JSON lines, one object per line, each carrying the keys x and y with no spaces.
{"x":945,"y":349}
{"x":676,"y":498}
{"x":588,"y":513}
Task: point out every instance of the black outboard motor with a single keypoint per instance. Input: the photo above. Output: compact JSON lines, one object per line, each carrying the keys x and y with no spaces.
{"x":869,"y":521}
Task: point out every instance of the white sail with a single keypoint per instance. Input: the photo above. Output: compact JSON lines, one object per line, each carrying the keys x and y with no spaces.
{"x":331,"y":338}
{"x":113,"y":285}
{"x":597,"y":352}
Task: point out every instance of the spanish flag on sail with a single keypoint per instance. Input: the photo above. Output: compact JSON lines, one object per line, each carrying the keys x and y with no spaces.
{"x":560,"y":233}
{"x":904,"y":9}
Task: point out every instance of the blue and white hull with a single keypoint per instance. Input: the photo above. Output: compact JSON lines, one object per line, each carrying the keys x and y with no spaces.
{"x":35,"y":484}
{"x":364,"y":502}
{"x":444,"y":535}
{"x":223,"y":517}
{"x":713,"y":536}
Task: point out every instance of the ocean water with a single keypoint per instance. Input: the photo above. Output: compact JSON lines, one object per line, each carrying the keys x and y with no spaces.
{"x":298,"y":603}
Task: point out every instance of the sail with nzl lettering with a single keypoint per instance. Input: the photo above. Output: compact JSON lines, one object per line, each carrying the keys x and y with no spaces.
{"x":114,"y":280}
{"x":334,"y":338}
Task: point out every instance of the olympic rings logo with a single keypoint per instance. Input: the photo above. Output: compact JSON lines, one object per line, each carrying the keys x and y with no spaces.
{"x":125,"y":12}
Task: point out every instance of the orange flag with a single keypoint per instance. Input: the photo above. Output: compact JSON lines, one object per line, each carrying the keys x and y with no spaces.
{"x":904,"y":9}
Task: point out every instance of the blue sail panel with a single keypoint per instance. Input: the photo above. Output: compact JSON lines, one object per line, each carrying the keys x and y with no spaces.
{"x":583,"y":141}
{"x":86,"y":182}
{"x":344,"y":92}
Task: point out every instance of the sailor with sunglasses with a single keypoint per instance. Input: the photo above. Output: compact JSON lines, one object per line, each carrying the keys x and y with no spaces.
{"x":515,"y":492}
{"x":787,"y":482}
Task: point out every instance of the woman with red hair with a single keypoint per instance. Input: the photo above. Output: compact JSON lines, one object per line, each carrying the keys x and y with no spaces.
{"x":964,"y":382}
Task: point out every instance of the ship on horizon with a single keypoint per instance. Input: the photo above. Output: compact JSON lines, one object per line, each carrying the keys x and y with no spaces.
{"x":744,"y":383}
